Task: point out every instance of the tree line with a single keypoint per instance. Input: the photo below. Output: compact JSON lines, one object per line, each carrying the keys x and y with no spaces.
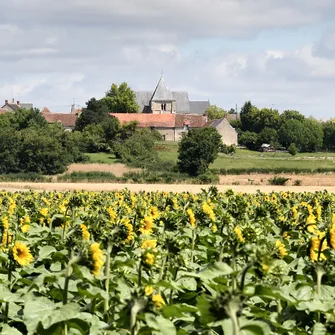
{"x":283,"y":130}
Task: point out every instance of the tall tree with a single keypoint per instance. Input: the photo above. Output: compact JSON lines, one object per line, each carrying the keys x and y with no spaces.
{"x":198,"y":149}
{"x":96,"y":112}
{"x":121,"y":99}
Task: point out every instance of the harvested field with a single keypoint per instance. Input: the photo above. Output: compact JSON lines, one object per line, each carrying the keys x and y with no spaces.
{"x":118,"y":169}
{"x":324,"y":179}
{"x":156,"y":187}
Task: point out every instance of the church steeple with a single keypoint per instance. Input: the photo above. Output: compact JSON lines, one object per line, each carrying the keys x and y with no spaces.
{"x":161,"y":92}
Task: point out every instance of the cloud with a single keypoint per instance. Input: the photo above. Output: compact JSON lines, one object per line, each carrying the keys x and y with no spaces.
{"x":57,"y":50}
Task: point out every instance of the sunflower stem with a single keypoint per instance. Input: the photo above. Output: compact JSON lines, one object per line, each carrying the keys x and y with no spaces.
{"x":107,"y":279}
{"x":10,"y":284}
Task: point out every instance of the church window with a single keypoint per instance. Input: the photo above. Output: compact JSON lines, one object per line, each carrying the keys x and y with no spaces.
{"x":163,"y":107}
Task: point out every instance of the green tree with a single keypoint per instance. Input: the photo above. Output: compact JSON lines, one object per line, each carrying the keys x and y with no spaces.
{"x":198,"y":149}
{"x":329,"y":134}
{"x":10,"y":145}
{"x":121,"y":99}
{"x":41,"y":153}
{"x":250,"y":140}
{"x":307,"y":134}
{"x":291,"y":115}
{"x":96,"y":112}
{"x":214,"y":112}
{"x":270,"y":136}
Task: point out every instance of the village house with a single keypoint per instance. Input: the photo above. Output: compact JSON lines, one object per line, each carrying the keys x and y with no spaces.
{"x":68,"y":120}
{"x":14,"y":106}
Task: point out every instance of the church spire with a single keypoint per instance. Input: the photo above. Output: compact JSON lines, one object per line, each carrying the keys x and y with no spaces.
{"x":161,"y":92}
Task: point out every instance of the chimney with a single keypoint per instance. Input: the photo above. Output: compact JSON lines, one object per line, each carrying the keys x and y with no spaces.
{"x":18,"y":102}
{"x":6,"y":102}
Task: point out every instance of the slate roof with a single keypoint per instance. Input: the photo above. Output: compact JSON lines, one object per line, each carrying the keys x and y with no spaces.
{"x":161,"y":92}
{"x":194,"y":121}
{"x":143,"y":100}
{"x":215,"y":123}
{"x":199,"y":107}
{"x":147,"y":120}
{"x":182,"y":103}
{"x":67,"y":120}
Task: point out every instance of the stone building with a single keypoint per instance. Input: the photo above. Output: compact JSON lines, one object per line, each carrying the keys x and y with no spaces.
{"x":164,"y":101}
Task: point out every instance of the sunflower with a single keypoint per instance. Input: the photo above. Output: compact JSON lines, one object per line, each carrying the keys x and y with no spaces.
{"x":148,"y":290}
{"x":149,"y":244}
{"x":239,"y":234}
{"x":147,"y":225}
{"x":84,"y":232}
{"x":97,"y":257}
{"x":21,"y":254}
{"x":44,"y":211}
{"x":191,"y":217}
{"x":149,"y":259}
{"x":158,"y":300}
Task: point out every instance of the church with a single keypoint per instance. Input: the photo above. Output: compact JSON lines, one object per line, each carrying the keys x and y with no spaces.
{"x":164,"y":101}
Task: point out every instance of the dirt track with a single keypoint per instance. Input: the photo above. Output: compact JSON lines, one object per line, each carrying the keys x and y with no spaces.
{"x":155,"y":187}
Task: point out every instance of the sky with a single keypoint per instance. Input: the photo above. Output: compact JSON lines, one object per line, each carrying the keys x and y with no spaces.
{"x":276,"y":53}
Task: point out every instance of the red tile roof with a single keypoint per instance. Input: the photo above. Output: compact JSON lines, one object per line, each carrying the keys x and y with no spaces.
{"x":45,"y":110}
{"x":67,"y":120}
{"x":194,"y":121}
{"x":147,"y":120}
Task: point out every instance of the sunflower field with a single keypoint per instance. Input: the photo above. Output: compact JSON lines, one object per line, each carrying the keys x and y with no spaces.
{"x":166,"y":263}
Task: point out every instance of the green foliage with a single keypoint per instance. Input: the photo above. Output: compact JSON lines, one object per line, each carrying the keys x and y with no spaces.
{"x":228,"y":149}
{"x":307,"y":134}
{"x":220,"y":263}
{"x":214,"y":112}
{"x":292,"y":149}
{"x":138,"y":149}
{"x":198,"y":149}
{"x":96,"y":112}
{"x":291,"y":115}
{"x":269,"y":136}
{"x":121,"y":99}
{"x":250,"y":140}
{"x":276,"y":180}
{"x":41,"y":153}
{"x":46,"y":149}
{"x":329,"y":134}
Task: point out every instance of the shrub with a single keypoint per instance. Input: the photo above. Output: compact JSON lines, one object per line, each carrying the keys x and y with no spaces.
{"x":298,"y":182}
{"x":208,"y":178}
{"x":276,"y":180}
{"x":138,"y":149}
{"x":292,"y":149}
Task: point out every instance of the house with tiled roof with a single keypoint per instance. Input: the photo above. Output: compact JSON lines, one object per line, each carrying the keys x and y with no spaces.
{"x":14,"y":106}
{"x":170,"y":126}
{"x":66,"y":119}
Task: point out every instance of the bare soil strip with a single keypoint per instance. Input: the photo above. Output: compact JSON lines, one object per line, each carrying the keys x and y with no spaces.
{"x":19,"y":186}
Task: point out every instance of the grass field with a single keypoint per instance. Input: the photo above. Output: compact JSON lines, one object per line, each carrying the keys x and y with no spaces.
{"x":245,"y":159}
